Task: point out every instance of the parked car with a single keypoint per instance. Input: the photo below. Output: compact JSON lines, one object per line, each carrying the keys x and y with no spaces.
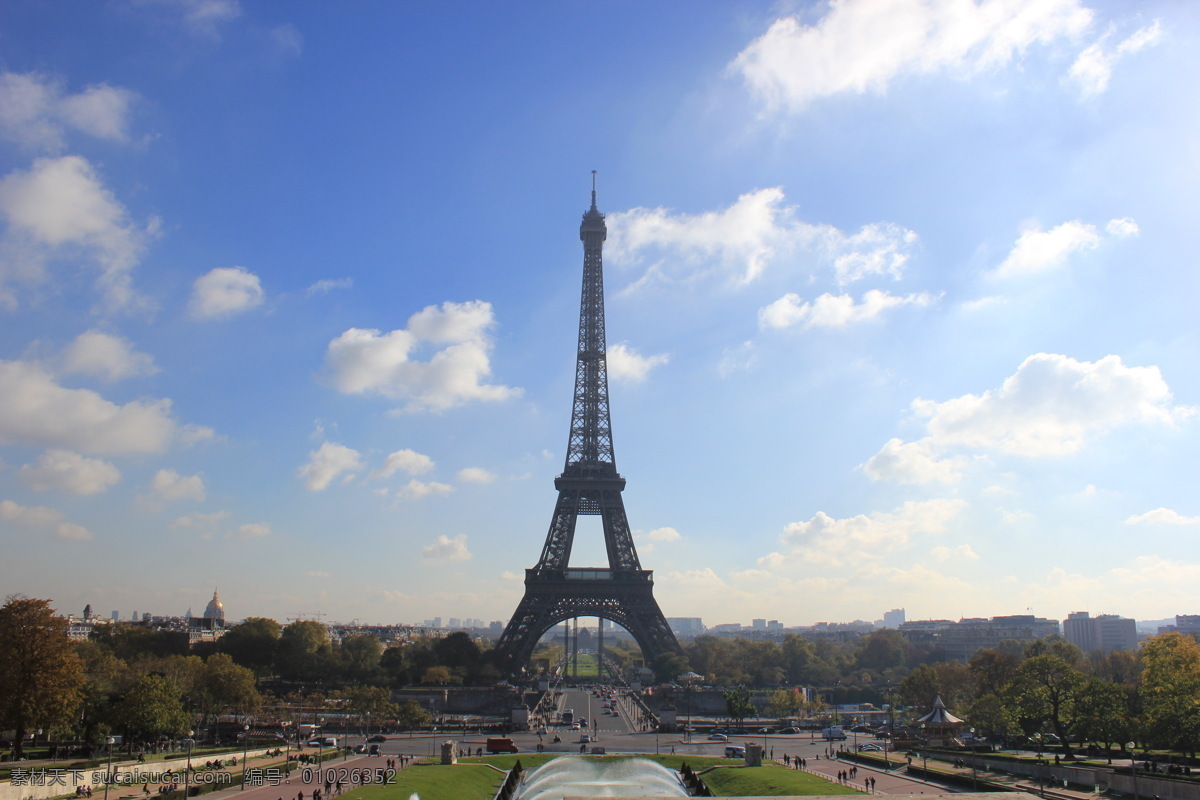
{"x":865,"y":748}
{"x":360,"y":749}
{"x":790,"y":730}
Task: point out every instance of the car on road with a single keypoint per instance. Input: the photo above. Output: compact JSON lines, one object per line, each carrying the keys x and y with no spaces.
{"x":360,"y":749}
{"x":585,"y":739}
{"x":790,"y":730}
{"x":867,"y":748}
{"x":718,"y":737}
{"x":735,"y":751}
{"x":766,"y":730}
{"x":378,"y":737}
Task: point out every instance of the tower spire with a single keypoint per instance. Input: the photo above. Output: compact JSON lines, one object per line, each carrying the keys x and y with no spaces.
{"x":593,"y":190}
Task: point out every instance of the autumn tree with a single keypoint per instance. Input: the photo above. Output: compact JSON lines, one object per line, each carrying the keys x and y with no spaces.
{"x":1171,"y":692}
{"x":41,"y":677}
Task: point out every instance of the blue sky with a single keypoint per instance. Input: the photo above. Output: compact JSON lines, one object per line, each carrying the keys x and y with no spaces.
{"x":900,"y":303}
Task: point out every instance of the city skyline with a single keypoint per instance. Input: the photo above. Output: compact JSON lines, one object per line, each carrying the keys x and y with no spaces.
{"x":899,"y":303}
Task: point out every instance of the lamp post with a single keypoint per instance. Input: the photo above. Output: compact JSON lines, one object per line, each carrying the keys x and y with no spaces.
{"x":245,"y":750}
{"x":320,"y":747}
{"x":108,"y":773}
{"x":1133,"y":766}
{"x":187,"y":775}
{"x":287,"y":744}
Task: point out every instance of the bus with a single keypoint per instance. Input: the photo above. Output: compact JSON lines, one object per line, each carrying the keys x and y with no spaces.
{"x":568,"y":716}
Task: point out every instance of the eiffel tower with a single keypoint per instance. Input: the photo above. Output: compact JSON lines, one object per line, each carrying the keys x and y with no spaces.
{"x":589,"y":484}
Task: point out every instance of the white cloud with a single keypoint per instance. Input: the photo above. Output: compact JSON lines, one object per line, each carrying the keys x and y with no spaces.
{"x":200,"y":520}
{"x":741,"y":241}
{"x":737,"y":359}
{"x":225,"y":291}
{"x":626,"y":364}
{"x":288,"y":39}
{"x":70,"y":472}
{"x":105,"y":356}
{"x":370,"y":362}
{"x":408,"y":461}
{"x":1093,"y":68}
{"x":59,"y":208}
{"x":834,"y":311}
{"x":446,"y":549}
{"x":962,"y":552}
{"x":40,"y":517}
{"x":327,"y":463}
{"x":415,"y":489}
{"x":1038,"y":251}
{"x":1162,"y":516}
{"x":1052,"y":406}
{"x":475,"y":475}
{"x":863,"y":45}
{"x":1125,"y":226}
{"x":36,"y":111}
{"x":914,"y":463}
{"x":167,"y":484}
{"x":824,"y":539}
{"x":328,"y":285}
{"x":199,"y":17}
{"x":316,"y":573}
{"x":1041,"y":251}
{"x":663,"y":535}
{"x":35,"y":410}
{"x":253,"y":530}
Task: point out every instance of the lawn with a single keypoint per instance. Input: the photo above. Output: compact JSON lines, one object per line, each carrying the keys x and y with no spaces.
{"x":469,"y":780}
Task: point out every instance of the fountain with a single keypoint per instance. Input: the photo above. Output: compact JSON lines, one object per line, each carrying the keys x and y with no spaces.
{"x":567,"y":775}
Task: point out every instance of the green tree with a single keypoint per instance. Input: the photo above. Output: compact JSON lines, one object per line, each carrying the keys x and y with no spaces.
{"x":783,"y":703}
{"x":41,"y":677}
{"x":227,"y":688}
{"x":440,"y":676}
{"x":130,"y":642}
{"x":151,"y":708}
{"x":304,"y":652}
{"x":738,"y":705}
{"x":252,"y":644}
{"x":667,"y":666}
{"x":367,"y":702}
{"x":1171,"y":692}
{"x":1045,"y":689}
{"x":883,"y":649}
{"x":1103,"y":712}
{"x":993,"y":669}
{"x":990,"y":716}
{"x":412,"y":716}
{"x":359,"y":656}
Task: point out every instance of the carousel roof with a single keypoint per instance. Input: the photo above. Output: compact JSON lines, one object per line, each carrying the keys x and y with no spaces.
{"x":939,"y":715}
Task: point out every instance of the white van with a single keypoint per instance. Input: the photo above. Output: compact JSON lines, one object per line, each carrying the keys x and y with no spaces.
{"x":735,"y":751}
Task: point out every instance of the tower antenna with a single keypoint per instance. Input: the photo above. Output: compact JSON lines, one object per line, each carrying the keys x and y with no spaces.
{"x":593,"y":188}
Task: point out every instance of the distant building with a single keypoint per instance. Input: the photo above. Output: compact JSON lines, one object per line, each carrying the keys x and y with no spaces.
{"x":758,"y":624}
{"x":1105,"y":633}
{"x":893,"y":618}
{"x":774,"y":625}
{"x":686,"y":626}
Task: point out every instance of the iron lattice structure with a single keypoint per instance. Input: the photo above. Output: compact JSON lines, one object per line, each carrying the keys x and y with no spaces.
{"x":589,"y":484}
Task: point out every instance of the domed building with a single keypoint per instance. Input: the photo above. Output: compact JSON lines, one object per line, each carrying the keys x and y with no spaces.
{"x":215,"y":610}
{"x":211,"y":625}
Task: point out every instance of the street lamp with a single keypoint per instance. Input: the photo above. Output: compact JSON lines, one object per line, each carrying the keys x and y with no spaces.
{"x":245,"y":750}
{"x":1133,"y":766}
{"x":287,"y":744}
{"x":187,"y":776}
{"x":108,"y":775}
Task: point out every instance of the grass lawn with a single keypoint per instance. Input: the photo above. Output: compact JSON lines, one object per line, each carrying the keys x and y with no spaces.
{"x":470,"y":781}
{"x":769,"y":780}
